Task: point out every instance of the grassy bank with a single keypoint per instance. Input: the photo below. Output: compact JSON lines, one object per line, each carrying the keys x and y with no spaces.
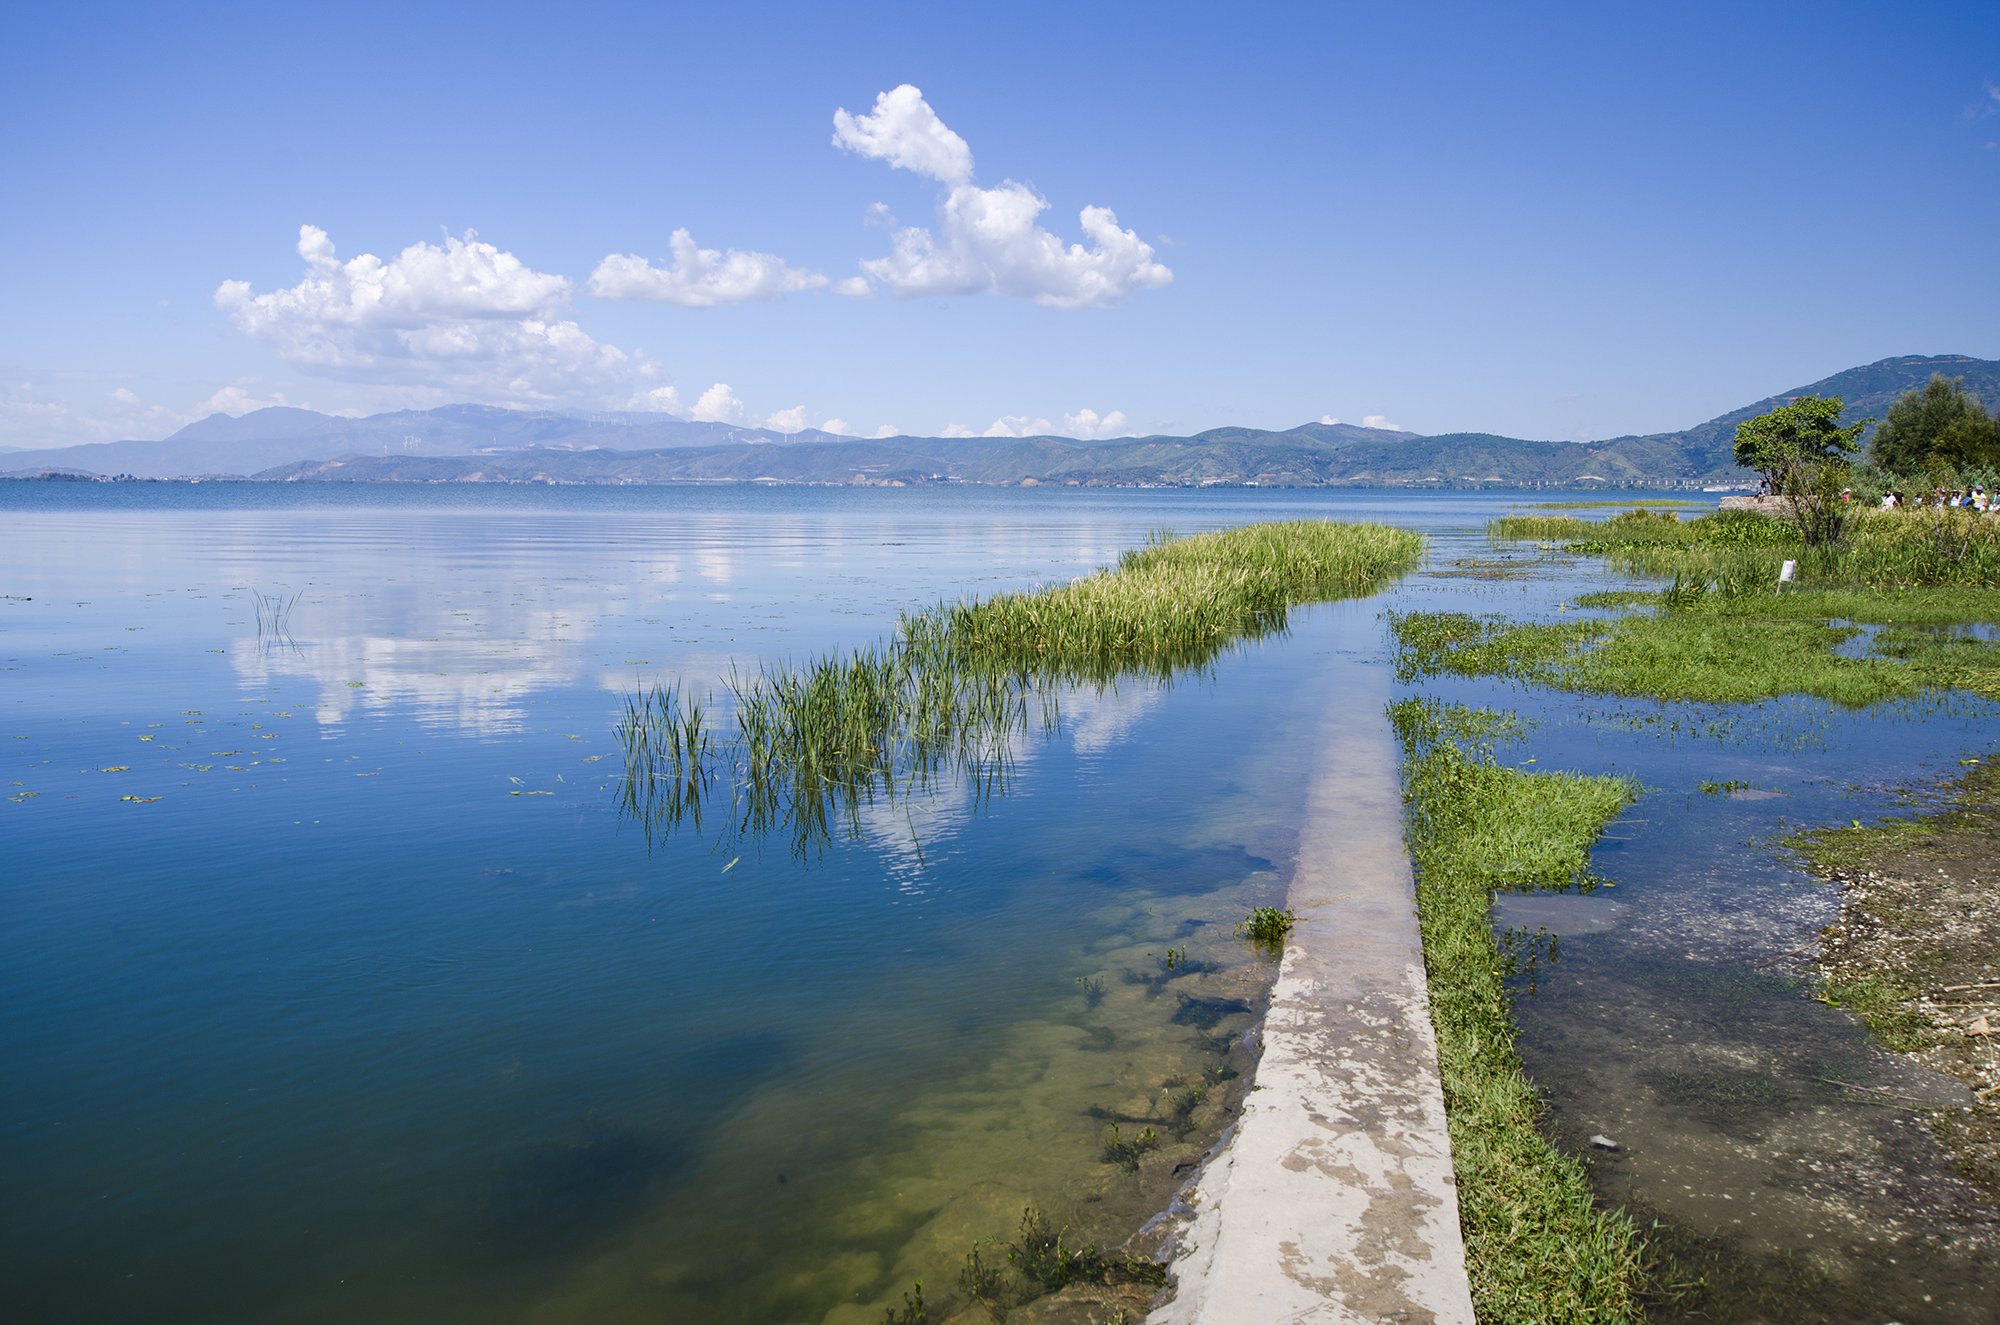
{"x":1739,"y":552}
{"x":805,"y":746}
{"x":1537,"y":1248}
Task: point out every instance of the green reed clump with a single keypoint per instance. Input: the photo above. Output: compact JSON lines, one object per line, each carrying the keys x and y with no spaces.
{"x":812,"y":743}
{"x":1267,"y":926}
{"x":1168,"y":605}
{"x":1537,"y":1247}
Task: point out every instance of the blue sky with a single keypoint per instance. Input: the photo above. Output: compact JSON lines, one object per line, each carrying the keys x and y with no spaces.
{"x":1555,"y":221}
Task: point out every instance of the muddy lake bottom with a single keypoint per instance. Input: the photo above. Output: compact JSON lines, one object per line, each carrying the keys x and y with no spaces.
{"x":337,"y":988}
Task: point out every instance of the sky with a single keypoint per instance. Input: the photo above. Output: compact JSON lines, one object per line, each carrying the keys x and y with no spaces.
{"x":1547,"y":221}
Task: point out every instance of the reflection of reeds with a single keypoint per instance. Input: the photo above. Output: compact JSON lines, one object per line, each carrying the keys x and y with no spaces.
{"x":274,"y":614}
{"x":811,"y":744}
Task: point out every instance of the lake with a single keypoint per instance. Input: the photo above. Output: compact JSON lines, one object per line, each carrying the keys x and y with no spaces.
{"x":337,"y":986}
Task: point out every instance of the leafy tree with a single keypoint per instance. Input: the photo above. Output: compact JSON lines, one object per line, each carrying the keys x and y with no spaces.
{"x":1802,"y":451}
{"x":1940,"y":420}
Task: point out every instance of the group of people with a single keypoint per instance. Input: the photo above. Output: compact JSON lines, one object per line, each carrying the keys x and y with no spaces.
{"x":1974,"y":497}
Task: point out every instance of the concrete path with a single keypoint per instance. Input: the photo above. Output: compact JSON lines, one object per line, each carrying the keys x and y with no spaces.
{"x":1334,"y":1201}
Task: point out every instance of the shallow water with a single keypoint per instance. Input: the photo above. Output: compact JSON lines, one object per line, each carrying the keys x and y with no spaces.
{"x":335,"y":986}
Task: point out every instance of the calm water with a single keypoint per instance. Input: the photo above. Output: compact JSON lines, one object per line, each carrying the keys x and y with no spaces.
{"x":368,"y":1005}
{"x":380,"y":1011}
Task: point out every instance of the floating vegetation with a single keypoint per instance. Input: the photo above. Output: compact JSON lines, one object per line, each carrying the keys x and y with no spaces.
{"x":1267,"y":926}
{"x":809,"y":746}
{"x":1724,"y":788}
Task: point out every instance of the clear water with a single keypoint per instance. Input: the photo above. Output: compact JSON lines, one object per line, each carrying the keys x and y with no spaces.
{"x":380,"y":1011}
{"x":367,"y":1004}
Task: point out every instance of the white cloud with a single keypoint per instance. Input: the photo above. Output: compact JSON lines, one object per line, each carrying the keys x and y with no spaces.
{"x":718,"y":404}
{"x":466,"y":320}
{"x":987,"y":240}
{"x":1018,"y":425}
{"x":234,"y":401}
{"x":957,"y":430}
{"x":1086,"y":426}
{"x":904,"y":131}
{"x":854,"y":287}
{"x":787,"y":420}
{"x":838,"y":427}
{"x":661,"y":400}
{"x":889,"y":430}
{"x":700,"y":277}
{"x":1379,"y":421}
{"x":1328,"y":420}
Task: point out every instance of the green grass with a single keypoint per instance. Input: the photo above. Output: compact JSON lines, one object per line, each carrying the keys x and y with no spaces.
{"x":1537,"y":1247}
{"x":1600,"y":505}
{"x":1267,"y":926}
{"x":1885,"y":551}
{"x":1714,"y":650}
{"x":806,"y":746}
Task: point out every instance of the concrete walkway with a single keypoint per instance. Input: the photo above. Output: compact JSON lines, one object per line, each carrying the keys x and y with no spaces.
{"x":1334,"y":1201}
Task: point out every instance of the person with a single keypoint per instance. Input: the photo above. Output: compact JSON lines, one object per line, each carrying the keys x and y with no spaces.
{"x":1888,"y":501}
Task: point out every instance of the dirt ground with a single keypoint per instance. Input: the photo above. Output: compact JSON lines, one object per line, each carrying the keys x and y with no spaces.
{"x":1915,"y":952}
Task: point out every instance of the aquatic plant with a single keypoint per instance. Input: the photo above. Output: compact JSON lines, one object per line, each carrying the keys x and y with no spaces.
{"x":811,"y":744}
{"x":913,"y":1312}
{"x":1267,"y":926}
{"x":1126,"y":1154}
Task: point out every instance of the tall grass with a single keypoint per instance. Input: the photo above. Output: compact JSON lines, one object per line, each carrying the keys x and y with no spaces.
{"x":1537,"y":1247}
{"x":1886,"y":550}
{"x":810,"y":745}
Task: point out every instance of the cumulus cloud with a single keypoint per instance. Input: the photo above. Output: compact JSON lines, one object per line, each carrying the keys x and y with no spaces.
{"x":1019,"y":425}
{"x":788,"y":420}
{"x":661,"y":400}
{"x":904,"y":131}
{"x":957,"y":430}
{"x":718,"y":404}
{"x":700,"y":277}
{"x":889,"y":430}
{"x":465,"y":319}
{"x":233,"y":401}
{"x":1084,"y":425}
{"x":838,"y":427}
{"x":987,"y":239}
{"x":1378,"y":421}
{"x":1328,"y":420}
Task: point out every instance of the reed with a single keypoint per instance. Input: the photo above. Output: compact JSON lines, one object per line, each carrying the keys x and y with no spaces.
{"x":810,"y":744}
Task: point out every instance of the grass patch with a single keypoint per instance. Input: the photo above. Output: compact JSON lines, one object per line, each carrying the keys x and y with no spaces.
{"x":806,"y":746}
{"x":1600,"y":505}
{"x":1537,"y":1247}
{"x":1267,"y":926}
{"x":1709,"y":651}
{"x":1742,"y":550}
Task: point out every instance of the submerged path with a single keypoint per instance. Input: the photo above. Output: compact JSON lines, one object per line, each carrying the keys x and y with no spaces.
{"x":1334,"y":1201}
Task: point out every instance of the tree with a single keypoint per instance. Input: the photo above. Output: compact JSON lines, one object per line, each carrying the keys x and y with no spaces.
{"x":1802,"y":452}
{"x":1940,"y":420}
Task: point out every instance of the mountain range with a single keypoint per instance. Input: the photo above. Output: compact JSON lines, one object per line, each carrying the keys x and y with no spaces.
{"x":480,"y":443}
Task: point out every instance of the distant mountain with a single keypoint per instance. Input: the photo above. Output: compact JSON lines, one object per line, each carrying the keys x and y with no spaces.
{"x":480,"y":443}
